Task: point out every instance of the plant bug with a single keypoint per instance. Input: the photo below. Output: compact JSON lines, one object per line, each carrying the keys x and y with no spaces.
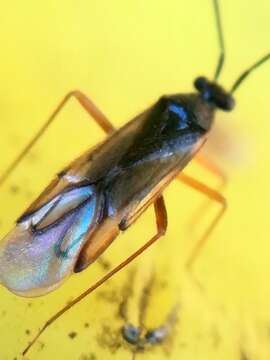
{"x":104,"y":191}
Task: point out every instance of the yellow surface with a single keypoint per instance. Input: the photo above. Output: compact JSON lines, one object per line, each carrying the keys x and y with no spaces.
{"x":125,"y":54}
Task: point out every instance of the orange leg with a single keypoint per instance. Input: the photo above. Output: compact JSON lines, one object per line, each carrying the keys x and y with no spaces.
{"x":212,"y":167}
{"x":161,"y":221}
{"x":213,"y":195}
{"x":85,"y":102}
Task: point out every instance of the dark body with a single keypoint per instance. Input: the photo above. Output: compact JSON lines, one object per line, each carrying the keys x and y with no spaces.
{"x":132,"y":167}
{"x":101,"y":193}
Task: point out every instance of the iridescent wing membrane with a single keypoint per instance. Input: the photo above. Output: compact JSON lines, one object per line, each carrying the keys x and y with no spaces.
{"x":41,"y":250}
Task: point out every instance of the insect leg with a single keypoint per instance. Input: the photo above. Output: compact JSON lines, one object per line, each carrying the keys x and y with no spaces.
{"x":212,"y":167}
{"x":213,"y":195}
{"x":85,"y":102}
{"x":161,"y":222}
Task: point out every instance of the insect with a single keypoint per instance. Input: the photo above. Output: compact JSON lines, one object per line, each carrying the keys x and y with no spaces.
{"x":105,"y":190}
{"x":140,"y":338}
{"x":145,"y":340}
{"x":135,"y":301}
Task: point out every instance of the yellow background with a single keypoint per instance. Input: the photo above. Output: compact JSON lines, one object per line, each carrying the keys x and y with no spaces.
{"x":124,"y":55}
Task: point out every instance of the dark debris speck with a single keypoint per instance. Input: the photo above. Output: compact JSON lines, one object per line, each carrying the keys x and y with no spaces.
{"x":243,"y":355}
{"x":72,"y":334}
{"x":41,"y":345}
{"x":90,"y":356}
{"x":14,"y":189}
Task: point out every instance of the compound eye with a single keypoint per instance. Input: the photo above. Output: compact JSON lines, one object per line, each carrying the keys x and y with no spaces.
{"x":201,"y":83}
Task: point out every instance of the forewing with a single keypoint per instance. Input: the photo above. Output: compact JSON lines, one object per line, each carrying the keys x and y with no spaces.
{"x":40,"y":252}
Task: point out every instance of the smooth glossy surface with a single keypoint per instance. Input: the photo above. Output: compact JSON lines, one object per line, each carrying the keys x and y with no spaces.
{"x":41,"y":250}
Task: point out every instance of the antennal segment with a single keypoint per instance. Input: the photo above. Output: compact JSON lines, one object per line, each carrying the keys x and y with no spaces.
{"x":220,"y":40}
{"x":247,"y":72}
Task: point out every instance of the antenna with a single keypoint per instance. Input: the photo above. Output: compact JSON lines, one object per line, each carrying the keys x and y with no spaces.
{"x":220,"y":40}
{"x":247,"y":72}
